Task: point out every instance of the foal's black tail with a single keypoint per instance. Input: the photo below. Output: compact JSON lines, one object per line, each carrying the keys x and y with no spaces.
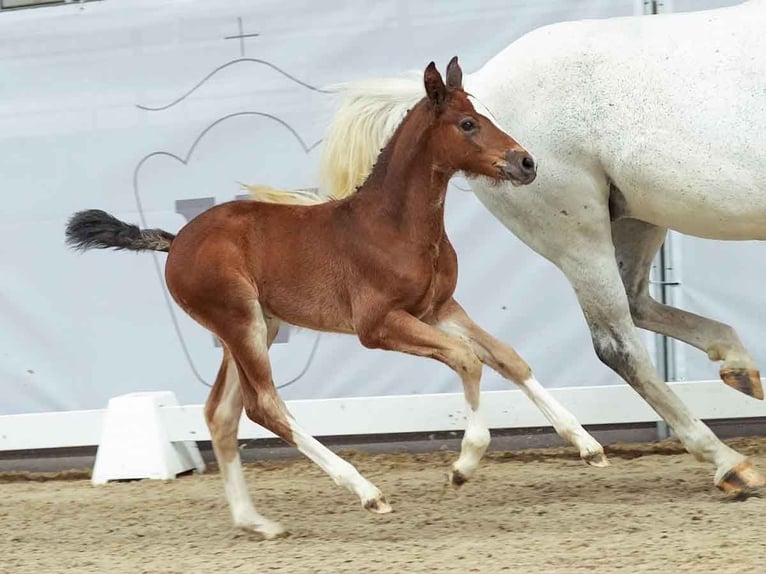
{"x":97,"y":229}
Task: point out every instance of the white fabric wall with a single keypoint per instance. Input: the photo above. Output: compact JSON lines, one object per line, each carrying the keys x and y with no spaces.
{"x":78,"y":329}
{"x":690,"y":5}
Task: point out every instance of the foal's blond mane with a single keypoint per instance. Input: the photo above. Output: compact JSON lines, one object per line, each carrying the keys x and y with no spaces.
{"x":367,"y":116}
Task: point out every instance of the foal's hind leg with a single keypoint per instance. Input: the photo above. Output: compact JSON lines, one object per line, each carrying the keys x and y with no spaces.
{"x":636,"y":244}
{"x":502,"y":358}
{"x":222,"y":413}
{"x":248,"y":343}
{"x":400,"y":331}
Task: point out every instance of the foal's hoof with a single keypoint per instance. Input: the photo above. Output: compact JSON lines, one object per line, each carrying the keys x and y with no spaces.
{"x":597,"y":459}
{"x":377,"y":505}
{"x":456,"y":478}
{"x":741,"y":481}
{"x":746,"y":381}
{"x":268,"y":530}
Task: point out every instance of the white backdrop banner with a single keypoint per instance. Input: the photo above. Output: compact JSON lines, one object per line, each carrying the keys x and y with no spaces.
{"x":154,"y":111}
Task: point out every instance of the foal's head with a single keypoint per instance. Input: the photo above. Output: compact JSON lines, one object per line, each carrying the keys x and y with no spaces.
{"x":464,"y":140}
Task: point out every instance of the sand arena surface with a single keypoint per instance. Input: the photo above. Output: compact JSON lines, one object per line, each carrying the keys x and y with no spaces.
{"x":654,"y":509}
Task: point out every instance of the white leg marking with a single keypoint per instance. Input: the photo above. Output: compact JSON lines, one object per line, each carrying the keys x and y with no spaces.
{"x":223,"y":428}
{"x":341,"y":471}
{"x":565,"y":423}
{"x":474,"y":445}
{"x":242,"y":510}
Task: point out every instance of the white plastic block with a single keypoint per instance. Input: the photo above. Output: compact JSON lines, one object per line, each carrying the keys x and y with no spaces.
{"x":134,"y":441}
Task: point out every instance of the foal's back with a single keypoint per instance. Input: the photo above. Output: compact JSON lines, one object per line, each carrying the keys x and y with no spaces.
{"x":292,"y":256}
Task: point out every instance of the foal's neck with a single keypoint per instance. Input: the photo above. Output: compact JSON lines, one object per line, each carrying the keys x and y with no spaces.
{"x":407,"y":187}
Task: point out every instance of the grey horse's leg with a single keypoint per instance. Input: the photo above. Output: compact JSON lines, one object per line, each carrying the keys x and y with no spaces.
{"x":594,"y":274}
{"x":636,"y":243}
{"x":566,"y":219}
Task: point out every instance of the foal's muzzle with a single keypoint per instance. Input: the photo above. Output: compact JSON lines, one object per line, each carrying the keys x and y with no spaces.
{"x":520,"y":168}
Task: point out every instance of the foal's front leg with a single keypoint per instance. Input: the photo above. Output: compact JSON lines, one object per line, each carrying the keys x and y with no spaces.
{"x":502,"y":358}
{"x":400,"y":331}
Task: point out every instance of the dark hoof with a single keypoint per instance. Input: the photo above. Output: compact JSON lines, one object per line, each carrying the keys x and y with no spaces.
{"x":747,"y":381}
{"x":457,"y":478}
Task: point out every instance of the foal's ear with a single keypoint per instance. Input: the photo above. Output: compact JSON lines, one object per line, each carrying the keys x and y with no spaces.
{"x":435,"y":88}
{"x":454,"y":75}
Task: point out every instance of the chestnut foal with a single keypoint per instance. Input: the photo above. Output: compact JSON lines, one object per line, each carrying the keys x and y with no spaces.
{"x":377,"y":264}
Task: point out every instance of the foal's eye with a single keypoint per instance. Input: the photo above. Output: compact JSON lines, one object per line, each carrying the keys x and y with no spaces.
{"x":468,"y":125}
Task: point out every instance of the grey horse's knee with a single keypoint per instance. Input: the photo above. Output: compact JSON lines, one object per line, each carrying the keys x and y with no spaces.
{"x":614,"y":350}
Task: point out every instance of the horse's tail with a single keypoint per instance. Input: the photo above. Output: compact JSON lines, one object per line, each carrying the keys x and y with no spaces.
{"x":285,"y":196}
{"x":368,"y":115}
{"x":97,"y":229}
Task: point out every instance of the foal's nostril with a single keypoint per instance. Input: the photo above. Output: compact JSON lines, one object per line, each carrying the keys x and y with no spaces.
{"x":528,"y":163}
